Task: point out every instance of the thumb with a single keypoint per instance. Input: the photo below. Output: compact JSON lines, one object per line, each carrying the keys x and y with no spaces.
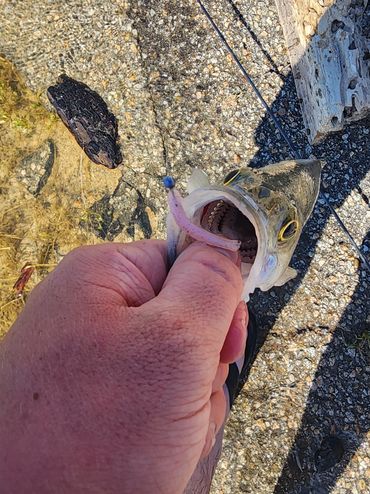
{"x":201,"y":293}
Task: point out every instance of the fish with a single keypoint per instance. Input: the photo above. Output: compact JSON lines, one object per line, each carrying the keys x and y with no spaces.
{"x":258,"y":211}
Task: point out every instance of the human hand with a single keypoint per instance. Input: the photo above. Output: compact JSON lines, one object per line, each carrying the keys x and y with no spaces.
{"x":111,"y":378}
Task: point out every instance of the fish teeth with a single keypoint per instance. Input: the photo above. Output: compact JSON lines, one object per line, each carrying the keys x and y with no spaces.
{"x":212,"y":218}
{"x":220,"y":219}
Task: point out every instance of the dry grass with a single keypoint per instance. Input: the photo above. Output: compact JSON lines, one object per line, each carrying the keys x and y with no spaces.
{"x":29,"y":236}
{"x":39,"y":231}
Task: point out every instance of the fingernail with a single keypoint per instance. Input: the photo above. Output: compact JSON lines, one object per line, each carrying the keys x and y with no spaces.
{"x":233,"y":256}
{"x":210,"y":439}
{"x":213,"y":441}
{"x":212,"y":434}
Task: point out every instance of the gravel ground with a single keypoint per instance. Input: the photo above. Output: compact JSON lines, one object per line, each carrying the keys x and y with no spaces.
{"x":300,"y":424}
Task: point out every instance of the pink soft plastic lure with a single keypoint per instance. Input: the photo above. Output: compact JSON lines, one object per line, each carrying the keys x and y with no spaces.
{"x":194,"y":231}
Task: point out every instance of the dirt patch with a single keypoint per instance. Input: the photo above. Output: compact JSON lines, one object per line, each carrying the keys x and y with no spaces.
{"x":47,"y":190}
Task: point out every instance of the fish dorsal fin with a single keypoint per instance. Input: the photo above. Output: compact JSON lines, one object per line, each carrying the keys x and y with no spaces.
{"x":288,"y":274}
{"x":197,"y":180}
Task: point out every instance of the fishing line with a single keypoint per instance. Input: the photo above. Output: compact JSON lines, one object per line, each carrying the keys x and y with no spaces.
{"x":295,"y":152}
{"x":253,"y":35}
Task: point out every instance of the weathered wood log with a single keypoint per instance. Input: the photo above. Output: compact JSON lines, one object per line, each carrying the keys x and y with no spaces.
{"x":329,"y":49}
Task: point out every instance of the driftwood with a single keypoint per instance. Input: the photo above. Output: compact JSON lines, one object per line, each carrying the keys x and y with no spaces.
{"x":329,"y":49}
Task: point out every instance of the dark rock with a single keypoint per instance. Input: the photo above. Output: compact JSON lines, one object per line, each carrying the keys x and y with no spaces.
{"x":86,"y":115}
{"x":35,"y":169}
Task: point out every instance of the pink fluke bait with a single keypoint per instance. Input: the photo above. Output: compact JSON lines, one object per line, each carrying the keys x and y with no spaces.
{"x":195,"y":232}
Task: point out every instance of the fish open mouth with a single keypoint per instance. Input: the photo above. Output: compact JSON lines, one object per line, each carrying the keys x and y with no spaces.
{"x":223,"y":218}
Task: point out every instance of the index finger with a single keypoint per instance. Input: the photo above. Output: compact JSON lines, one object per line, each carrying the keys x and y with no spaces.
{"x":124,"y":274}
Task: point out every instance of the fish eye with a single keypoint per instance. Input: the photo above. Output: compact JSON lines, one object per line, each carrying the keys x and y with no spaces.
{"x":288,"y":230}
{"x":231,"y":176}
